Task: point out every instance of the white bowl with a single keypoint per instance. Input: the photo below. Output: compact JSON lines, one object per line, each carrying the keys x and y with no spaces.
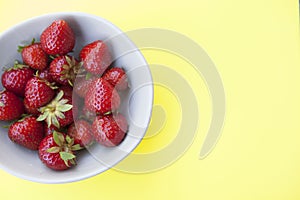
{"x":136,"y":106}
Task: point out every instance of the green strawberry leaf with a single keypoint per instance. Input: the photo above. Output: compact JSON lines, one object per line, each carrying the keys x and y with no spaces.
{"x":69,"y":140}
{"x":59,"y":114}
{"x":59,"y":95}
{"x":43,"y":116}
{"x":76,"y":147}
{"x":53,"y":150}
{"x":65,"y":108}
{"x":54,"y":121}
{"x":66,"y":156}
{"x":58,"y":138}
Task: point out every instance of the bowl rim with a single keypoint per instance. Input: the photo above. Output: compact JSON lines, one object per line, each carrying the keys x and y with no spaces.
{"x":151,"y":95}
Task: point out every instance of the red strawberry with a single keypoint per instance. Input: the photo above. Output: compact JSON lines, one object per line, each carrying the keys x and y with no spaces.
{"x":38,"y":92}
{"x":81,"y":131}
{"x":30,"y":110}
{"x":34,"y":56}
{"x":102,"y":97}
{"x":68,"y":119}
{"x":11,"y":107}
{"x":96,"y":57}
{"x":58,"y":112}
{"x":117,"y":78}
{"x":68,"y":90}
{"x":15,"y":78}
{"x":63,"y":69}
{"x":82,"y":85}
{"x":56,"y":151}
{"x":109,"y":130}
{"x":27,"y":132}
{"x":45,"y":74}
{"x":58,"y":38}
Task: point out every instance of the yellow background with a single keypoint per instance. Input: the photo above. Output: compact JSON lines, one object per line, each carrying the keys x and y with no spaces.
{"x":255,"y":46}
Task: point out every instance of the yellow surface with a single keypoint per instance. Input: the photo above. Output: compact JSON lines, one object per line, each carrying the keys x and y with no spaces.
{"x":255,"y":46}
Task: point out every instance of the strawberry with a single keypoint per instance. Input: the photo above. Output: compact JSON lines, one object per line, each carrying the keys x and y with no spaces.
{"x":34,"y":56}
{"x":11,"y":107}
{"x":27,"y":132}
{"x":81,"y":131}
{"x":58,"y":112}
{"x":102,"y":97}
{"x":58,"y":38}
{"x":68,"y":119}
{"x":117,"y":78}
{"x":63,"y":69}
{"x":56,"y":151}
{"x":96,"y":57}
{"x":67,"y":90}
{"x":15,"y":78}
{"x":38,"y":92}
{"x":30,"y":110}
{"x":109,"y":130}
{"x":45,"y":74}
{"x":82,"y":85}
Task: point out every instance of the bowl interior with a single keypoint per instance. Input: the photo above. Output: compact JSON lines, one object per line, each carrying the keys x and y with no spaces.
{"x":136,"y":104}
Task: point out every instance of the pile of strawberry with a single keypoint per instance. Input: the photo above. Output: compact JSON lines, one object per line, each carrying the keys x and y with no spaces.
{"x":37,"y":98}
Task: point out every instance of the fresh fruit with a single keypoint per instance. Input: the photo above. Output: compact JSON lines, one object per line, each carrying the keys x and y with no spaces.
{"x":38,"y":92}
{"x":63,"y":69}
{"x":11,"y":107}
{"x":109,"y":130}
{"x":56,"y":151}
{"x":67,"y":90}
{"x":58,"y":122}
{"x":58,"y":38}
{"x":102,"y":97}
{"x":58,"y":112}
{"x":96,"y":57}
{"x":27,"y":132}
{"x":82,"y":85}
{"x":34,"y":56}
{"x":15,"y":78}
{"x":30,"y":110}
{"x":68,"y":119}
{"x":116,"y":77}
{"x":81,"y":131}
{"x":45,"y":74}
